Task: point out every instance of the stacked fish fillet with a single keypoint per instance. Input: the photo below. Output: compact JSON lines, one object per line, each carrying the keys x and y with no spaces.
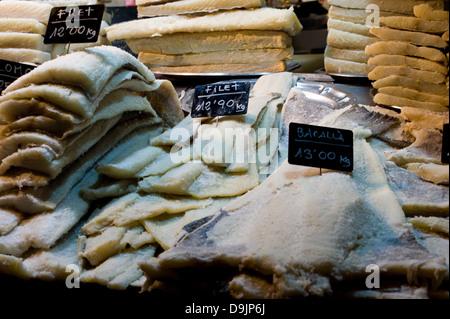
{"x":219,"y":39}
{"x":185,"y":175}
{"x":58,"y":121}
{"x":349,"y":31}
{"x":22,"y":28}
{"x":308,"y":233}
{"x":410,"y":62}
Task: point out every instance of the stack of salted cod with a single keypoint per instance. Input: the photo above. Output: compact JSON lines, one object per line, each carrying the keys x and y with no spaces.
{"x":160,"y":184}
{"x":301,"y":233}
{"x":349,"y":31}
{"x":58,"y":121}
{"x":217,"y":39}
{"x":411,"y":67}
{"x":23,"y":25}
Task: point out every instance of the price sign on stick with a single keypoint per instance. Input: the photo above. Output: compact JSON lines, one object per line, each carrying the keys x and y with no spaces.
{"x":321,"y":147}
{"x":11,"y":71}
{"x":221,"y":99}
{"x":74,"y":24}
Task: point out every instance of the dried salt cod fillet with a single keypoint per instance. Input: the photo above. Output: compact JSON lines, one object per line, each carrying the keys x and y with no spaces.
{"x":182,"y":43}
{"x":46,"y":160}
{"x":428,"y":12}
{"x":133,"y":207}
{"x":427,"y":148}
{"x":120,"y":271}
{"x":415,"y":63}
{"x":226,"y":57}
{"x":392,"y":100}
{"x":412,"y":83}
{"x":416,"y":38}
{"x":418,"y":197}
{"x":9,"y":220}
{"x":415,"y":24}
{"x":425,"y":119}
{"x":350,"y":27}
{"x":414,"y":95}
{"x":346,"y":67}
{"x":24,"y":55}
{"x":22,"y":25}
{"x":431,"y":224}
{"x":25,"y":9}
{"x":168,"y":229}
{"x":382,"y":71}
{"x":269,"y":19}
{"x":435,"y":173}
{"x":405,"y":48}
{"x":345,"y":54}
{"x":303,"y":258}
{"x":23,"y":41}
{"x":239,"y":68}
{"x":112,"y":241}
{"x":90,"y":70}
{"x":358,"y":16}
{"x":192,"y":6}
{"x":44,"y":194}
{"x":346,"y":40}
{"x":399,"y":7}
{"x":20,"y":178}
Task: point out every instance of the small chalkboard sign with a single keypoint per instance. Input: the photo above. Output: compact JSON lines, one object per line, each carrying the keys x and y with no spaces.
{"x":445,"y":146}
{"x":11,"y":71}
{"x":74,"y":24}
{"x":321,"y":147}
{"x":221,"y":99}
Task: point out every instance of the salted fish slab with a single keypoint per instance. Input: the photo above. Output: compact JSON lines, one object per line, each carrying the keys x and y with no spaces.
{"x":191,"y":6}
{"x":293,"y":244}
{"x":256,"y":19}
{"x":90,"y":70}
{"x":23,"y":41}
{"x":43,"y":230}
{"x":24,"y":55}
{"x":25,"y":9}
{"x":22,"y":25}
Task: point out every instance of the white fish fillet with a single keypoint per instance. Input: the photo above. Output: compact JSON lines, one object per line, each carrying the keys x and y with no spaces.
{"x":269,"y":19}
{"x":181,"y":43}
{"x":23,"y":41}
{"x":237,"y":68}
{"x":24,"y":55}
{"x":90,"y":70}
{"x":225,"y":57}
{"x":191,"y":6}
{"x":25,"y":9}
{"x":22,"y":25}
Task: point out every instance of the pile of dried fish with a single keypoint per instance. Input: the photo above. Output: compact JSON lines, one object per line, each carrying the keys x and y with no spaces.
{"x":58,"y":121}
{"x":303,"y":234}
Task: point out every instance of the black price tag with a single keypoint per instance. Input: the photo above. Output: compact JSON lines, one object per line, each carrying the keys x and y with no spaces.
{"x":74,"y":24}
{"x":11,"y":71}
{"x":321,"y":147}
{"x":445,"y":146}
{"x":221,"y":99}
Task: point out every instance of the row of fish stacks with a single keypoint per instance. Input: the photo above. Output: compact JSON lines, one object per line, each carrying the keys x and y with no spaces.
{"x":23,"y":25}
{"x":411,"y":60}
{"x":349,"y":31}
{"x":217,"y":36}
{"x":58,"y":121}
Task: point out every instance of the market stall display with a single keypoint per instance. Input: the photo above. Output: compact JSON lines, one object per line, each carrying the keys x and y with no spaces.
{"x":108,"y":170}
